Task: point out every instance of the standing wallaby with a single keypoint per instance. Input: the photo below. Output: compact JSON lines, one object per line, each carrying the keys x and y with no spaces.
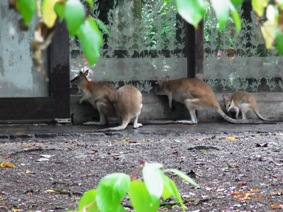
{"x":100,"y":95}
{"x":196,"y":95}
{"x":128,"y":105}
{"x":241,"y":101}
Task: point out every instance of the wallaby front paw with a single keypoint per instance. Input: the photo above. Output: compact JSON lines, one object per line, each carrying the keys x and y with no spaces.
{"x":137,"y":125}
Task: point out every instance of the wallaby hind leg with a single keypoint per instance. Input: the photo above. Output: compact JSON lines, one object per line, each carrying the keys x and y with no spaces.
{"x":192,"y":112}
{"x":102,"y":119}
{"x":136,"y":124}
{"x":244,"y":109}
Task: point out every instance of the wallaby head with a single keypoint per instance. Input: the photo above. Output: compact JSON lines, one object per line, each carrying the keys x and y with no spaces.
{"x":228,"y":103}
{"x":81,"y":76}
{"x":161,"y":85}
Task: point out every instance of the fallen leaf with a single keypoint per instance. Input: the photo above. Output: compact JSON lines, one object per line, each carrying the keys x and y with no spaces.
{"x":46,"y":156}
{"x":192,"y":174}
{"x":276,"y":206}
{"x":237,"y":193}
{"x":50,"y":191}
{"x":231,"y":138}
{"x":241,"y":184}
{"x":29,"y":172}
{"x":5,"y":208}
{"x":7,"y":164}
{"x":115,"y":154}
{"x":42,"y":159}
{"x":261,"y":145}
{"x":277,"y":193}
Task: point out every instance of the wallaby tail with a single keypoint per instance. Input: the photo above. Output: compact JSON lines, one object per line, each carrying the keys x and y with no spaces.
{"x":242,"y":121}
{"x":260,"y":116}
{"x":125,"y":122}
{"x":227,"y":118}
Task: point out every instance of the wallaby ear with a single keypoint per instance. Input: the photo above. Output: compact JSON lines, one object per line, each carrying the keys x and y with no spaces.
{"x":225,"y":97}
{"x":86,"y":73}
{"x":81,"y":74}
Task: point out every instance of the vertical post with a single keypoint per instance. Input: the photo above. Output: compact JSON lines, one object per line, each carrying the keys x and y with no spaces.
{"x":199,"y":51}
{"x":60,"y":71}
{"x":190,"y":50}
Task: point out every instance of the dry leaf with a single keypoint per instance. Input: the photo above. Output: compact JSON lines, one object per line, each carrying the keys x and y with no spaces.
{"x":237,"y":193}
{"x":276,"y":206}
{"x":7,"y":164}
{"x":277,"y":193}
{"x":50,"y":191}
{"x":241,"y":184}
{"x":5,"y":208}
{"x":231,"y":138}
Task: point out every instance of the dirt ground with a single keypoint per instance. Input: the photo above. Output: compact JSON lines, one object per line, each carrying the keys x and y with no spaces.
{"x":240,"y":171}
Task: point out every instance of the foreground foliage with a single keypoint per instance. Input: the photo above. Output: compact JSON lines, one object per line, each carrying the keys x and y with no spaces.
{"x":144,"y":194}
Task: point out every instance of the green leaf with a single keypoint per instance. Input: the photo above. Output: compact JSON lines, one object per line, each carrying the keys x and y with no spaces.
{"x":279,"y":3}
{"x":167,"y":2}
{"x":172,"y":188}
{"x":74,"y":15}
{"x":166,"y":192}
{"x":91,"y":40}
{"x":237,"y":3}
{"x":191,"y":11}
{"x":102,"y":26}
{"x":60,"y":10}
{"x":237,"y":20}
{"x":90,"y":3}
{"x":152,"y":177}
{"x":221,"y":11}
{"x":279,"y":43}
{"x":111,"y":190}
{"x":48,"y":12}
{"x":27,"y":8}
{"x":87,"y":201}
{"x":183,"y":176}
{"x":268,"y":29}
{"x":259,"y":6}
{"x":141,"y":199}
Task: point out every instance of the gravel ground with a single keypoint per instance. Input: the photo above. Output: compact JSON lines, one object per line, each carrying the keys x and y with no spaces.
{"x":237,"y":171}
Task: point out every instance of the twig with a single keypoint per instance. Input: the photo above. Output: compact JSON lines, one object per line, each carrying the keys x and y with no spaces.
{"x":31,"y":150}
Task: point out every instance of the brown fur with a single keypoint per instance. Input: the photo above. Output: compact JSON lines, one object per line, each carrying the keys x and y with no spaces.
{"x":128,"y":105}
{"x":100,"y":95}
{"x":196,"y":95}
{"x":242,"y":101}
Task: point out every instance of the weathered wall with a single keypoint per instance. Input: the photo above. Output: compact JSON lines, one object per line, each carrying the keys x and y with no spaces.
{"x":156,"y":107}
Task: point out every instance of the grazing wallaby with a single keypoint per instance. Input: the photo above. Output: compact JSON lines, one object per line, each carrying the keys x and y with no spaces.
{"x":128,"y":105}
{"x":241,"y":101}
{"x":100,"y":95}
{"x":196,"y":95}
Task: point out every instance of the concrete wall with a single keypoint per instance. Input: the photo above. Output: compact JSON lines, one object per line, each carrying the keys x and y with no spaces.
{"x":155,"y":107}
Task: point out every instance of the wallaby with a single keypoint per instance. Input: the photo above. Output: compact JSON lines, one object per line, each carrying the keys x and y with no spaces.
{"x":99,"y":94}
{"x":195,"y":94}
{"x":128,"y":105}
{"x":241,"y":101}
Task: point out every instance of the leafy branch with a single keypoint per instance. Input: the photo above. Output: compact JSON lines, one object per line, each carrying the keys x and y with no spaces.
{"x":144,"y":194}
